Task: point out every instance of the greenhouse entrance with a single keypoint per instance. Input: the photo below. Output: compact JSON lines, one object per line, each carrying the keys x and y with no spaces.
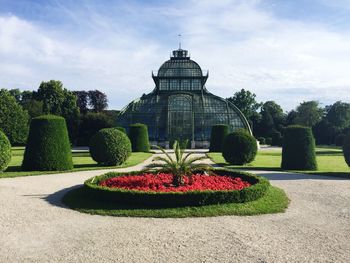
{"x":180,"y":119}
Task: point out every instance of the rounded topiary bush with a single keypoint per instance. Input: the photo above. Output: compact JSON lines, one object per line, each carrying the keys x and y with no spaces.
{"x":138,"y":134}
{"x":5,"y":151}
{"x":239,"y":148}
{"x":110,"y":147}
{"x":122,"y":129}
{"x":346,"y":148}
{"x":218,"y":133}
{"x":298,"y":151}
{"x":48,"y":147}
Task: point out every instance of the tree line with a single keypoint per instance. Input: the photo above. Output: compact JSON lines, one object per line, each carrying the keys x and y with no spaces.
{"x":328,"y":123}
{"x":85,"y":111}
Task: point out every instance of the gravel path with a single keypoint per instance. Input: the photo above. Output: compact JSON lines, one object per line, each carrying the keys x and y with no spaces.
{"x":34,"y":227}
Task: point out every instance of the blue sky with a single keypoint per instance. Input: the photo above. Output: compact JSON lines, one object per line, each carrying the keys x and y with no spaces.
{"x":282,"y":50}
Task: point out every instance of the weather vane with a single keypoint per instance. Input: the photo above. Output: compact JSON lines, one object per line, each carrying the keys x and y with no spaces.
{"x":179,"y":35}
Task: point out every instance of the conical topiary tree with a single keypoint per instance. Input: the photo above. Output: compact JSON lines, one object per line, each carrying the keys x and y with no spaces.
{"x":298,"y":149}
{"x":218,"y":133}
{"x":138,"y":134}
{"x":5,"y":151}
{"x":48,"y":147}
{"x":346,"y":148}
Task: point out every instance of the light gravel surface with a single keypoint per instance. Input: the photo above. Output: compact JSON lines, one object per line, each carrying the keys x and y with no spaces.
{"x":35,"y":227}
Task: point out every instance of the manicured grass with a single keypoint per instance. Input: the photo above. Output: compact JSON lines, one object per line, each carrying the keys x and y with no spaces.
{"x":274,"y":201}
{"x":330,"y":161}
{"x":81,"y":160}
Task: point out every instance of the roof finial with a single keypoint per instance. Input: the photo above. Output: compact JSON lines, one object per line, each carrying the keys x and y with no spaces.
{"x":179,"y":35}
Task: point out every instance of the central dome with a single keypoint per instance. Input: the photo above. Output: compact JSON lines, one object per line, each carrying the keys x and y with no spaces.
{"x":180,"y":107}
{"x":180,"y":65}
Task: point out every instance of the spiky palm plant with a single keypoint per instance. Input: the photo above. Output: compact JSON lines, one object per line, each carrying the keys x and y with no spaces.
{"x":180,"y":166}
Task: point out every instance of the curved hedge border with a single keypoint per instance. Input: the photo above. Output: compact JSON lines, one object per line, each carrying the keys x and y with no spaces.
{"x":177,"y":199}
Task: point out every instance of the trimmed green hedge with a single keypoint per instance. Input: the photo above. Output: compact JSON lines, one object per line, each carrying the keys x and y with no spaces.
{"x":5,"y":151}
{"x":276,"y":138}
{"x":239,"y":148}
{"x":48,"y":147}
{"x":298,"y":151}
{"x":268,"y":140}
{"x":346,"y":148}
{"x":138,"y":134}
{"x":218,"y":133}
{"x":110,"y":147}
{"x":258,"y":188}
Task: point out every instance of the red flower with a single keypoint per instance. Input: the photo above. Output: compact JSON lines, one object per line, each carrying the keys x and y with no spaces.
{"x":162,"y":183}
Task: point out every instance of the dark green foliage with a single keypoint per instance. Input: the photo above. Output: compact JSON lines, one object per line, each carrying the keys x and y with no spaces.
{"x":276,"y":138}
{"x":97,"y":100}
{"x":5,"y":151}
{"x":239,"y":148}
{"x":298,"y":151}
{"x":258,"y":188}
{"x":339,"y":139}
{"x":261,"y":140}
{"x":13,"y":119}
{"x":110,"y":147}
{"x":346,"y":148}
{"x":90,"y":124}
{"x":138,"y":134}
{"x":218,"y":133}
{"x":245,"y":101}
{"x":268,"y":140}
{"x":122,"y":129}
{"x":48,"y":147}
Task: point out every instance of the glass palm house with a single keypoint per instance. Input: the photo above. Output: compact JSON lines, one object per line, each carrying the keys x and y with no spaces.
{"x":180,"y":107}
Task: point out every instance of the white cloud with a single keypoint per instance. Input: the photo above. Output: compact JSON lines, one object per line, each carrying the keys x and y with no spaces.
{"x":242,"y":46}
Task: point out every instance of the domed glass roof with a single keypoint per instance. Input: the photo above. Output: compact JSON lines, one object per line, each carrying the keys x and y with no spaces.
{"x":180,"y":68}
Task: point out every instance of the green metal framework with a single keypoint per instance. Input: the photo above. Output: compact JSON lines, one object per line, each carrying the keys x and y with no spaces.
{"x":180,"y":107}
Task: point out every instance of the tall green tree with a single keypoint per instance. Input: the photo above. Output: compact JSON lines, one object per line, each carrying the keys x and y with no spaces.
{"x":339,"y":115}
{"x":97,"y":100}
{"x":59,"y":101}
{"x":246,"y":102}
{"x":13,"y":119}
{"x":309,"y":113}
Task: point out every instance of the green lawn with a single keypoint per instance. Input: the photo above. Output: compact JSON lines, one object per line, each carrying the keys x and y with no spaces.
{"x":330,"y":161}
{"x":82,"y":162}
{"x":274,"y":201}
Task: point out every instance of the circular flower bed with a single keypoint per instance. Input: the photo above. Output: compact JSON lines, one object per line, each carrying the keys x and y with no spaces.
{"x":153,"y":189}
{"x":162,"y":182}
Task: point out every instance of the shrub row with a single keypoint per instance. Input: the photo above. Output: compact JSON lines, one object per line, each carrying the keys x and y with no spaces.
{"x":258,"y":188}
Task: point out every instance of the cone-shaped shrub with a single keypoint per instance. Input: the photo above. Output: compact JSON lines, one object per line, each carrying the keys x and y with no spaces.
{"x":218,"y":133}
{"x":138,"y":134}
{"x":298,"y":152}
{"x":346,"y":148}
{"x":110,"y":147}
{"x":5,"y":151}
{"x":239,"y":148}
{"x":48,"y":147}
